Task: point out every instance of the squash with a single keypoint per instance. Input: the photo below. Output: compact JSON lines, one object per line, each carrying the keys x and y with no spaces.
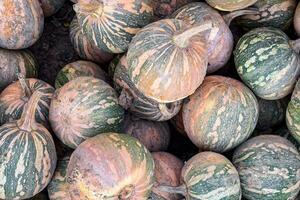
{"x":221,"y":114}
{"x":28,"y":157}
{"x":86,"y":49}
{"x":230,"y":5}
{"x":110,"y":25}
{"x":268,"y":62}
{"x":50,"y":7}
{"x":136,"y":102}
{"x":77,"y":69}
{"x":83,"y":108}
{"x":22,"y":23}
{"x":155,"y":136}
{"x":269,"y":168}
{"x":297,"y":20}
{"x":113,"y":64}
{"x":110,"y":166}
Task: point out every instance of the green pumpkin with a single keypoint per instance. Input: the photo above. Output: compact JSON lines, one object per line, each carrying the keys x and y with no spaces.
{"x":230,"y":5}
{"x":50,"y":7}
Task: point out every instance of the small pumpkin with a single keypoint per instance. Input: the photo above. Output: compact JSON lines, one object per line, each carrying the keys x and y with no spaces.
{"x":269,"y":168}
{"x":110,"y":25}
{"x":297,"y":20}
{"x":221,"y":114}
{"x":268,"y":62}
{"x":28,"y":157}
{"x":230,"y":5}
{"x":83,"y":108}
{"x":22,"y":23}
{"x":50,"y":7}
{"x":110,"y":166}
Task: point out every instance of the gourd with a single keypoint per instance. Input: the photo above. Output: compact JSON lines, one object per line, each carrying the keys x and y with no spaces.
{"x":230,"y":5}
{"x":297,"y":20}
{"x":50,"y":7}
{"x":83,"y":108}
{"x":110,"y":166}
{"x":221,"y":114}
{"x":22,"y":23}
{"x":268,"y":62}
{"x":110,"y":25}
{"x":269,"y":168}
{"x":28,"y":157}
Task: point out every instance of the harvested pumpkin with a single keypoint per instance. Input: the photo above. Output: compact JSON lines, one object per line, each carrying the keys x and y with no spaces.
{"x":230,"y":5}
{"x":297,"y":20}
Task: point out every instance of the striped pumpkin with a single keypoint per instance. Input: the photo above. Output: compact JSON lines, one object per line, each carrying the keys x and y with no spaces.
{"x":85,"y":49}
{"x":297,"y":20}
{"x":136,"y":102}
{"x":221,"y":114}
{"x":268,"y":166}
{"x":22,"y":23}
{"x":110,"y":166}
{"x":230,"y":5}
{"x":27,"y":155}
{"x":167,"y":60}
{"x":77,"y":69}
{"x":50,"y":7}
{"x":83,"y":108}
{"x":267,"y":63}
{"x":13,"y":62}
{"x":110,"y":25}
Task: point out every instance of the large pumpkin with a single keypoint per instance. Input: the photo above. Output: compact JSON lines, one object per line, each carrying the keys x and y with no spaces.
{"x":268,"y":62}
{"x":110,"y":25}
{"x":221,"y":114}
{"x":50,"y":7}
{"x":110,"y":166}
{"x":21,"y":23}
{"x":268,"y":166}
{"x":297,"y":20}
{"x":83,"y":108}
{"x":230,"y":5}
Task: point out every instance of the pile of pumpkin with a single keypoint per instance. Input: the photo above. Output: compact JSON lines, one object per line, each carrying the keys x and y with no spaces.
{"x":167,"y":57}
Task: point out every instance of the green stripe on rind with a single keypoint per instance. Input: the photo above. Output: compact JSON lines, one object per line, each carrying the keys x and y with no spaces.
{"x":266,"y":62}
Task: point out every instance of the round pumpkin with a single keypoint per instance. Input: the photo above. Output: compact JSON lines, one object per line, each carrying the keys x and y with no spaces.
{"x":136,"y":102}
{"x":77,"y":69}
{"x":167,"y":60}
{"x":269,"y":168}
{"x":267,"y":63}
{"x":28,"y":156}
{"x":84,"y":48}
{"x":221,"y":114}
{"x":50,"y":7}
{"x":110,"y":166}
{"x":155,"y":136}
{"x":297,"y":20}
{"x":22,"y":23}
{"x":110,"y":25}
{"x":230,"y":5}
{"x":83,"y":108}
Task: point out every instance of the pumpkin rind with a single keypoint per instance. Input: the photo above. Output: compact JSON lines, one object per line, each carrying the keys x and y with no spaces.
{"x":297,"y":20}
{"x":230,"y":5}
{"x":269,"y":168}
{"x":50,"y":7}
{"x":110,"y":166}
{"x":221,"y":114}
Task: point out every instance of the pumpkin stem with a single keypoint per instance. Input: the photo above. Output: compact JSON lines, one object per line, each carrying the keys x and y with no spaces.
{"x":169,"y":109}
{"x":125,"y":99}
{"x":232,"y":15}
{"x":173,"y":190}
{"x":95,"y":8}
{"x":25,"y":87}
{"x":126,"y":192}
{"x":296,"y":45}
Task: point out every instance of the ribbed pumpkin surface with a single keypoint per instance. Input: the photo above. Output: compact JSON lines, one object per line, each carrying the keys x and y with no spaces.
{"x":297,"y":20}
{"x":110,"y":166}
{"x":50,"y":7}
{"x":230,"y":5}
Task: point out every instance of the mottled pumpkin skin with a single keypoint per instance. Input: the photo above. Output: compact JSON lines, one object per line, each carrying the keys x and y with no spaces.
{"x":221,"y":114}
{"x":209,"y":175}
{"x":136,"y":102}
{"x":297,"y":20}
{"x":13,"y":62}
{"x":275,"y":13}
{"x":13,"y":100}
{"x":78,"y":69}
{"x":21,"y":22}
{"x":230,"y":5}
{"x":267,"y":63}
{"x":83,"y":108}
{"x":164,"y":65}
{"x":50,"y":7}
{"x":86,"y":49}
{"x":110,"y":166}
{"x":155,"y":136}
{"x":110,"y":25}
{"x":268,"y":166}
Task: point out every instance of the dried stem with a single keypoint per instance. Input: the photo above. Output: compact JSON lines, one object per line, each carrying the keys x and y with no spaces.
{"x":232,"y":15}
{"x":25,"y":86}
{"x":173,"y":190}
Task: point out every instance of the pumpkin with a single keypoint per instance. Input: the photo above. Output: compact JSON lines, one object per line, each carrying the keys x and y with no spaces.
{"x":268,"y":166}
{"x":230,"y":5}
{"x":136,"y":102}
{"x":28,"y":157}
{"x":167,"y":59}
{"x":83,"y":108}
{"x":297,"y":20}
{"x":113,"y":64}
{"x":268,"y":62}
{"x":77,"y":69}
{"x":110,"y":166}
{"x":17,"y":95}
{"x":275,"y":13}
{"x":221,"y":114}
{"x":155,"y":136}
{"x":50,"y":7}
{"x":13,"y":62}
{"x":84,"y":48}
{"x":110,"y":25}
{"x":22,"y":23}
